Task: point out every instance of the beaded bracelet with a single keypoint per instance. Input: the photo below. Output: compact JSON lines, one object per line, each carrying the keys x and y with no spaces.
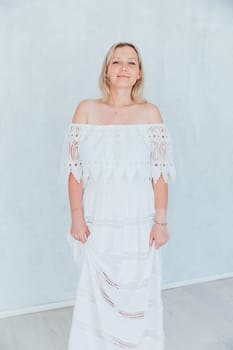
{"x":161,"y":223}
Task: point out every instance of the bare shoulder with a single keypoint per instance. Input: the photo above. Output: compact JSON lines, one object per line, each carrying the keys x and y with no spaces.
{"x":83,"y":110}
{"x":153,"y":113}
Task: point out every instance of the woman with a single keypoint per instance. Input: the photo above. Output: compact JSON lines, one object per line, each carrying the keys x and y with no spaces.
{"x":118,"y":159}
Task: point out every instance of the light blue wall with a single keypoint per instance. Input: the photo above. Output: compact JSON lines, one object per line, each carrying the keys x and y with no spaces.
{"x":51,"y":56}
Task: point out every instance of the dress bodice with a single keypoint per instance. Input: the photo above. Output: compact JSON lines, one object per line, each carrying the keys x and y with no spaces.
{"x":116,"y":151}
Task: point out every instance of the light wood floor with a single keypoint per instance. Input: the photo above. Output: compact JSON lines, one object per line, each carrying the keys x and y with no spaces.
{"x":196,"y":317}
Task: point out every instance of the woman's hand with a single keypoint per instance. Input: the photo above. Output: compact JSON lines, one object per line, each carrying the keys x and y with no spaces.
{"x":79,"y":230}
{"x":159,"y":235}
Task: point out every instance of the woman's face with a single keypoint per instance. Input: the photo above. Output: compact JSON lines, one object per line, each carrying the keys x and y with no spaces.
{"x":123,"y":69}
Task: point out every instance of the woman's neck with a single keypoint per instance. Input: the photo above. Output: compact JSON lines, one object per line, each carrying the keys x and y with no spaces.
{"x":119,"y":99}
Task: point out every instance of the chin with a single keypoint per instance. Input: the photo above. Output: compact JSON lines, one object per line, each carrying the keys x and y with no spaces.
{"x":123,"y":84}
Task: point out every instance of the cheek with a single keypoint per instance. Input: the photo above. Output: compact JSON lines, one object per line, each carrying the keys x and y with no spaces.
{"x":134,"y":72}
{"x":134,"y":69}
{"x":112,"y":68}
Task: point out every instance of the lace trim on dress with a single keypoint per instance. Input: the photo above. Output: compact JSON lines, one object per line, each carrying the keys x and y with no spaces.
{"x":132,"y":315}
{"x":127,"y":221}
{"x":160,"y":163}
{"x":161,"y":153}
{"x":135,"y":285}
{"x":70,"y":162}
{"x":113,"y":339}
{"x":88,"y":294}
{"x":130,"y":285}
{"x":119,"y":257}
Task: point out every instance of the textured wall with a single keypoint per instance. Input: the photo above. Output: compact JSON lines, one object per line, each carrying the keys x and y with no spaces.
{"x":51,"y":56}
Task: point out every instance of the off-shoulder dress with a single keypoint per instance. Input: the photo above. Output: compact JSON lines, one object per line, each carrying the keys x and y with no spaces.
{"x":118,"y":301}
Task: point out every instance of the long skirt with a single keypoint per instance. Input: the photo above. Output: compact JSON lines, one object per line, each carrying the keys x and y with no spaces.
{"x":118,"y":301}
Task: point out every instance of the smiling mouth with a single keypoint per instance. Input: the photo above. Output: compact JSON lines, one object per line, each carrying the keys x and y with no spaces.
{"x":122,"y":76}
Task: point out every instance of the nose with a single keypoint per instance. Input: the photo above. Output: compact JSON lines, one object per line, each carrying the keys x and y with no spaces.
{"x":123,"y":67}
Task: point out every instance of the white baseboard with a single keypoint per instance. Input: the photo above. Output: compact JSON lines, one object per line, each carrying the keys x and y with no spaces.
{"x":37,"y":308}
{"x":196,"y":280}
{"x":70,"y":303}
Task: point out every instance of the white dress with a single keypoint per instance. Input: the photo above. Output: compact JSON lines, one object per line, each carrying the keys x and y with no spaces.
{"x":118,"y":301}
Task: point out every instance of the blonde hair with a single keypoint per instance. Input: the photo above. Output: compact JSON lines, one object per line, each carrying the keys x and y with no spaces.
{"x":137,"y":89}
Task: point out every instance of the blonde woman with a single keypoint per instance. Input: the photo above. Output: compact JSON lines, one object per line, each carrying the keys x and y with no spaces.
{"x":118,"y":159}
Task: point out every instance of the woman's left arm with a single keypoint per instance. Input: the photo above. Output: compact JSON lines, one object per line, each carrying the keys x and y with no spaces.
{"x":162,"y":169}
{"x":159,"y":233}
{"x":161,"y":199}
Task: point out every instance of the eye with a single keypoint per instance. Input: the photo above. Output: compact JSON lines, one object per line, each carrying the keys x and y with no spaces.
{"x":114,"y":62}
{"x":132,"y":63}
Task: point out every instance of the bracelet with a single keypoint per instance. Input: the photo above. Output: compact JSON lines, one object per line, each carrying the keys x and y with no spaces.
{"x":161,"y":223}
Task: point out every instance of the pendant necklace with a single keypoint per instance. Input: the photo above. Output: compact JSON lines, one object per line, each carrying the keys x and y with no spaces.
{"x":116,"y":112}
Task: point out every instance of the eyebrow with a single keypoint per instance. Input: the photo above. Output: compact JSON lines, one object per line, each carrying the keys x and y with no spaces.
{"x":128,"y":57}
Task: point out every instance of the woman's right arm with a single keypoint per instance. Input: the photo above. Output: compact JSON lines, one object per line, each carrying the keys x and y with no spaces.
{"x":79,"y":230}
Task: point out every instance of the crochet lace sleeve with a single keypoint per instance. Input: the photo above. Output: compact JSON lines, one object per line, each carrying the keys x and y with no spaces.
{"x":70,"y":159}
{"x":162,"y":162}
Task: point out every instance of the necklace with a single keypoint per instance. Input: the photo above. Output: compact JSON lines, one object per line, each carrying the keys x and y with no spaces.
{"x":116,"y":111}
